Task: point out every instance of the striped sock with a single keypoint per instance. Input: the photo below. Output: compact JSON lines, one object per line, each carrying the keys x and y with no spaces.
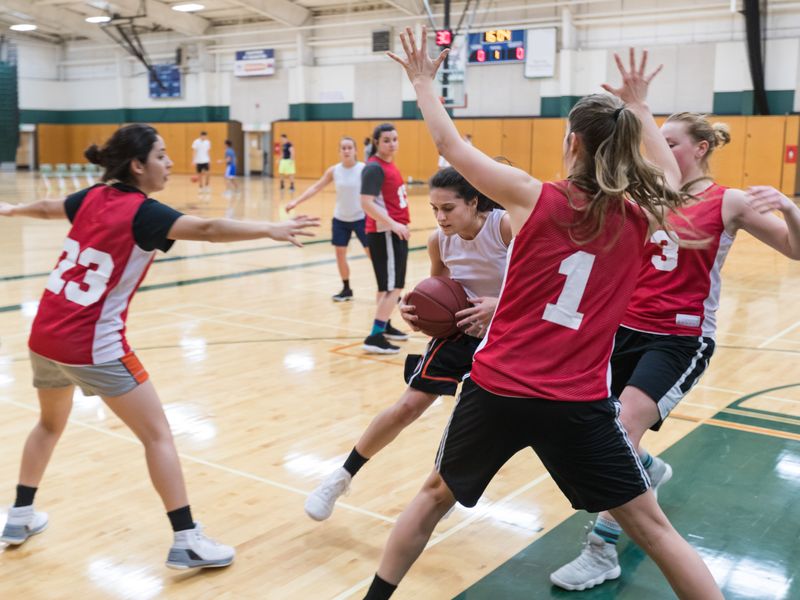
{"x":378,"y":327}
{"x":607,"y":529}
{"x":646,"y":458}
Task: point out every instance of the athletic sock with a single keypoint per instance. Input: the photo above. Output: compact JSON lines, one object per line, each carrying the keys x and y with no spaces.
{"x":181,"y":518}
{"x":607,"y":529}
{"x":346,"y":283}
{"x":25,"y":495}
{"x":378,"y":327}
{"x":646,"y":458}
{"x":380,"y":589}
{"x":354,"y":462}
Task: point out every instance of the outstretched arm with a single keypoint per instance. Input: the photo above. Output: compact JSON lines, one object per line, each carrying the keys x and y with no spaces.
{"x":753,"y":211}
{"x":512,"y":188}
{"x":633,"y":93}
{"x":192,"y":228}
{"x":326,"y":178}
{"x":41,"y":209}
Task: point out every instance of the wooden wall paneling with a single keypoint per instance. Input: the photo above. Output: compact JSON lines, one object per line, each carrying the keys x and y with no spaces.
{"x":487,"y":134}
{"x":791,"y":138}
{"x":763,"y":156}
{"x":547,"y":149}
{"x":727,"y":163}
{"x":517,"y":141}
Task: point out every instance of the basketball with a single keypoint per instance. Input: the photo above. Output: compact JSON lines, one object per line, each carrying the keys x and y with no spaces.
{"x":437,"y":300}
{"x":194,"y":178}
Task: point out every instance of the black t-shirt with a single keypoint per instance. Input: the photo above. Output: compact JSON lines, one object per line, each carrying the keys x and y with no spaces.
{"x":287,"y":150}
{"x":151,"y":224}
{"x":372,"y":179}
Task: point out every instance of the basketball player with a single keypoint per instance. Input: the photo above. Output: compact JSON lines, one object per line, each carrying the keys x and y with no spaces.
{"x":470,"y":245}
{"x":539,"y":378}
{"x":384,"y":199}
{"x":348,"y":215}
{"x":78,"y":335}
{"x":201,"y":158}
{"x":231,"y":185}
{"x":286,"y":166}
{"x":667,"y":335}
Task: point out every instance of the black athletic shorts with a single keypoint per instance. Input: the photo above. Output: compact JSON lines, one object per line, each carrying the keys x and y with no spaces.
{"x":582,"y":444}
{"x":200,"y":167}
{"x":389,"y":256}
{"x":665,"y":367}
{"x":445,"y":363}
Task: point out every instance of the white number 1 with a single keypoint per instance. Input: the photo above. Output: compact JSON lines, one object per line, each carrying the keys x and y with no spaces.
{"x":564,"y":312}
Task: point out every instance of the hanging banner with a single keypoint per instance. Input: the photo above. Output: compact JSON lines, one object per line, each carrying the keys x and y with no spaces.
{"x":540,"y":53}
{"x":254,"y":63}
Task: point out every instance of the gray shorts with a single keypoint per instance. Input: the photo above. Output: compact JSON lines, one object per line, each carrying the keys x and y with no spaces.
{"x":109,"y":379}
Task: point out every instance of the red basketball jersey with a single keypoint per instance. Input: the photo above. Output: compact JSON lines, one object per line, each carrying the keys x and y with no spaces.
{"x":81,"y":316}
{"x":678,"y":288}
{"x":393,"y":196}
{"x":553,"y":331}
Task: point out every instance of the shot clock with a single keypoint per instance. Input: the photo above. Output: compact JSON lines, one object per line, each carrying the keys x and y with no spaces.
{"x":497,"y":46}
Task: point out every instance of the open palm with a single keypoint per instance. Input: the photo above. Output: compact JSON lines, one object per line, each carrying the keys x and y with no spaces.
{"x":634,"y":81}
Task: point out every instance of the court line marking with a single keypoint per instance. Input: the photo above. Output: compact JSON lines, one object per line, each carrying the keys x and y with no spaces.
{"x":340,"y":350}
{"x":201,"y":461}
{"x":478,"y":514}
{"x":780,"y":334}
{"x":791,"y":420}
{"x":753,"y":429}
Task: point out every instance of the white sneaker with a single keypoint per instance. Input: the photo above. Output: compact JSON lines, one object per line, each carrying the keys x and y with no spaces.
{"x":596,"y":563}
{"x":22,"y":523}
{"x":319,"y":505}
{"x":192,"y":549}
{"x":660,"y":473}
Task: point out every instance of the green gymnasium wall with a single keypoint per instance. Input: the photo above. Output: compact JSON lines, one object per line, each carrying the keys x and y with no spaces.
{"x":9,"y":113}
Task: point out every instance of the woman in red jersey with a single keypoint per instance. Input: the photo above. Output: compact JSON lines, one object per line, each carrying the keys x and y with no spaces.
{"x":539,"y":379}
{"x":384,"y":198}
{"x":78,"y":335}
{"x":668,"y":331}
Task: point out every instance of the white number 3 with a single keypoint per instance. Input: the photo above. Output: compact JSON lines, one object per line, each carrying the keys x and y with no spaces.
{"x":99,"y":266}
{"x":668,"y":259}
{"x":564,"y":312}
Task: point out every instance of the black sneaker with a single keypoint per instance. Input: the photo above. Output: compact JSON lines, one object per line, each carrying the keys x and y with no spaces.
{"x":378,"y":344}
{"x":394,"y":334}
{"x":344,"y":296}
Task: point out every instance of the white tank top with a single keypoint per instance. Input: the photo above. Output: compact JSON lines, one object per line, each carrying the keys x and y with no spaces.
{"x":477,"y":264}
{"x":348,"y":192}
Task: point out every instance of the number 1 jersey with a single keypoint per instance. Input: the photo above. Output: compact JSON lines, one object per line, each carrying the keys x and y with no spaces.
{"x":82,"y":313}
{"x":562,"y":302}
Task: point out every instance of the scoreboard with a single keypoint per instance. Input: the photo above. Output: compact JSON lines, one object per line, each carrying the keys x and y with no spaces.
{"x":497,"y":46}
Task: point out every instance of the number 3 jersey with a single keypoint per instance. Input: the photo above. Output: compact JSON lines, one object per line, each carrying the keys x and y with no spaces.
{"x":115,"y":233}
{"x":562,"y":302}
{"x":678,"y":288}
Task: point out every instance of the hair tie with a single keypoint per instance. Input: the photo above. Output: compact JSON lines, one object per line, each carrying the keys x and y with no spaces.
{"x":616,"y":113}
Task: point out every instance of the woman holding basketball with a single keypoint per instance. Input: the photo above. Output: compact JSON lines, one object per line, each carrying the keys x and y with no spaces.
{"x":384,"y":199}
{"x":78,"y":335}
{"x":348,"y":216}
{"x":667,"y":336}
{"x":470,"y":246}
{"x":539,"y":378}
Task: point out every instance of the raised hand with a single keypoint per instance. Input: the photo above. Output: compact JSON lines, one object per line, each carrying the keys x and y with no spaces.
{"x":6,"y":209}
{"x":765,"y":198}
{"x":634,"y":81}
{"x":417,"y":64}
{"x":285,"y":231}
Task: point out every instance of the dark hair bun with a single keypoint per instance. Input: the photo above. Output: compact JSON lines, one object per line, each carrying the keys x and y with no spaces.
{"x":94,"y":155}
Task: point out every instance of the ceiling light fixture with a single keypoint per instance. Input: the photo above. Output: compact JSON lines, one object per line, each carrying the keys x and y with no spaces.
{"x":24,"y":27}
{"x":98,"y":19}
{"x":189,"y":7}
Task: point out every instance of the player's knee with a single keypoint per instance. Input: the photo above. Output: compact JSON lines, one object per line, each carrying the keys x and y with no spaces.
{"x":410,"y":408}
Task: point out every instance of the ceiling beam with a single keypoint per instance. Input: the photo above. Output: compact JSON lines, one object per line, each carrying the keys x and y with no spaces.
{"x":283,"y":11}
{"x":63,"y":21}
{"x":411,"y":7}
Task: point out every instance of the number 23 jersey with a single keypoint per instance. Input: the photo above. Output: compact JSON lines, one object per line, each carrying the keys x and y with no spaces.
{"x":561,"y":304}
{"x":678,"y":288}
{"x":115,"y":233}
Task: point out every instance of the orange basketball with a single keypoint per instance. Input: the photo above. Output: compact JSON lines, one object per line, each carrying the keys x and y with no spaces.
{"x":437,"y":300}
{"x":194,"y":178}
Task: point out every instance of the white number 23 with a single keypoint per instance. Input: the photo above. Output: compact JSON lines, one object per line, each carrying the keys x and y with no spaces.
{"x":99,"y":266}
